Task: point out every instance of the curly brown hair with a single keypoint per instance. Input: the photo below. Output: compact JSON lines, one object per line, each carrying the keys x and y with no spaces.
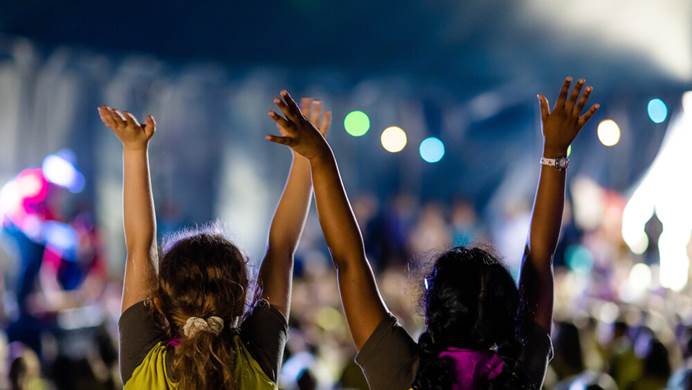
{"x":201,"y":274}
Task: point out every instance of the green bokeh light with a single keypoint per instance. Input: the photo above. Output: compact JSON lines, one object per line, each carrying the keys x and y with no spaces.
{"x":357,"y":123}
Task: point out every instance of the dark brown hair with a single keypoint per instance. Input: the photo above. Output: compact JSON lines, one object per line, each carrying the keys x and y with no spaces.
{"x":201,"y":274}
{"x":470,"y":301}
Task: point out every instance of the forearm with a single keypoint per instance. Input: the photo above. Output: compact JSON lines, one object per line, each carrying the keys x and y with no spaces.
{"x":546,"y":219}
{"x":287,"y":226}
{"x":336,"y":217}
{"x":292,"y":210}
{"x":536,"y":281}
{"x":138,"y":205}
{"x":362,"y":302}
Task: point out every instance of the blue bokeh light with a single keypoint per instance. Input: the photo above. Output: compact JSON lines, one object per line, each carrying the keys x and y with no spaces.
{"x":432,"y":149}
{"x":658,"y":112}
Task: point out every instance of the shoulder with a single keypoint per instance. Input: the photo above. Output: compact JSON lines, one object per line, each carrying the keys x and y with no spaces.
{"x":536,"y":354}
{"x":389,"y":358}
{"x":264,"y":333}
{"x":263,"y":316}
{"x":138,"y":334}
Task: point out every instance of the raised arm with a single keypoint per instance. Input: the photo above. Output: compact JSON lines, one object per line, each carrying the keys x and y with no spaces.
{"x":289,"y":218}
{"x":361,"y":299}
{"x":560,"y":127}
{"x":138,"y":205}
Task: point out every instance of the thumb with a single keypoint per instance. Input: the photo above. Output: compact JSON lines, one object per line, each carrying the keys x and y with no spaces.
{"x":543,"y":105}
{"x":149,"y":125}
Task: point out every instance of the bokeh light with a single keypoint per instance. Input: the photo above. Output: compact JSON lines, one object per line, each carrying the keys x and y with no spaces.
{"x":687,"y":101}
{"x":59,"y":169}
{"x":579,"y":259}
{"x":30,"y":185}
{"x":432,"y":149}
{"x":357,"y":123}
{"x":658,"y":112}
{"x":608,"y":132}
{"x":640,"y":275}
{"x":393,"y":139}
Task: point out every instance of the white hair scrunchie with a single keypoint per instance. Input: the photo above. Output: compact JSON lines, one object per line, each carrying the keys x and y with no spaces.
{"x":193,"y":325}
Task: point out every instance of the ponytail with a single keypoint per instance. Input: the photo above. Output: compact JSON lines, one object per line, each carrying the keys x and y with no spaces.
{"x":202,"y":361}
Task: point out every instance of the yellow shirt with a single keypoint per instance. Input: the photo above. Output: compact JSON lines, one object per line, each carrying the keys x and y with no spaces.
{"x":152,"y":373}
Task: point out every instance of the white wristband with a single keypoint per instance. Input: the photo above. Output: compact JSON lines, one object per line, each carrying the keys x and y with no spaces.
{"x":560,"y":163}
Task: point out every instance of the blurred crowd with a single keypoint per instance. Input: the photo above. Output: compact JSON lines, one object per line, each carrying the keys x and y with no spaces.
{"x":615,"y":328}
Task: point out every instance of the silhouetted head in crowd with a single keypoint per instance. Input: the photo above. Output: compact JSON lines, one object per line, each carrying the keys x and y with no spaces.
{"x":25,"y":367}
{"x":569,"y":359}
{"x":470,"y":301}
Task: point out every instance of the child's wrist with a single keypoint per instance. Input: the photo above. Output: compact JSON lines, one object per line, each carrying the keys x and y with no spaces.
{"x":554,"y":151}
{"x":322,"y":157}
{"x":135,"y":148}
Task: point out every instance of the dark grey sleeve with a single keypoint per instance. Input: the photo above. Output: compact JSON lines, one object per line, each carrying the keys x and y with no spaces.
{"x":389,"y":358}
{"x":138,"y":334}
{"x":536,"y":355}
{"x":264,"y":333}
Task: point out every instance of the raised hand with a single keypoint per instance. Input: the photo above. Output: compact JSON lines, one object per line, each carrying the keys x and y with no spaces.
{"x":566,"y":119}
{"x":287,"y":225}
{"x":302,"y":130}
{"x":132,"y":134}
{"x":312,"y":109}
{"x":138,"y":204}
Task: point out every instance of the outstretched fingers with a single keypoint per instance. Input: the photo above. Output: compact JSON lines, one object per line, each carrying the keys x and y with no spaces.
{"x":543,"y":105}
{"x":106,"y":117}
{"x":314,"y":113}
{"x":284,"y":108}
{"x":288,"y":141}
{"x":326,"y":122}
{"x":587,"y":115}
{"x":288,"y":106}
{"x":118,"y":118}
{"x":582,"y":101}
{"x":149,"y":125}
{"x":560,"y":102}
{"x":131,"y":120}
{"x":305,"y":104}
{"x":281,"y":121}
{"x":572,"y":101}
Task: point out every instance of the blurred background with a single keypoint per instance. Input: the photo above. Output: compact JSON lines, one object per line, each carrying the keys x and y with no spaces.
{"x":436,"y":130}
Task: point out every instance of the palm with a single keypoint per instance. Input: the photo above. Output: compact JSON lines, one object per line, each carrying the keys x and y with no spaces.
{"x":127,"y":128}
{"x":302,"y":129}
{"x":562,"y":124}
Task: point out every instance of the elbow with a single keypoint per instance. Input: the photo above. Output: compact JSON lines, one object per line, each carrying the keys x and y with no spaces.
{"x":283,"y":241}
{"x":140,"y":249}
{"x":539,"y":255}
{"x":138,"y":242}
{"x":344,"y":260}
{"x":279,"y":257}
{"x":281,"y":246}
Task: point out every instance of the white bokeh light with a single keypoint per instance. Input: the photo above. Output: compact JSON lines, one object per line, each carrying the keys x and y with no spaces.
{"x":393,"y":139}
{"x":657,"y":31}
{"x":665,"y":189}
{"x":609,"y":132}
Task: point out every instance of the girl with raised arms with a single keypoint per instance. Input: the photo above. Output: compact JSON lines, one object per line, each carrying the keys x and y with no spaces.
{"x":186,"y":326}
{"x":481,"y":330}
